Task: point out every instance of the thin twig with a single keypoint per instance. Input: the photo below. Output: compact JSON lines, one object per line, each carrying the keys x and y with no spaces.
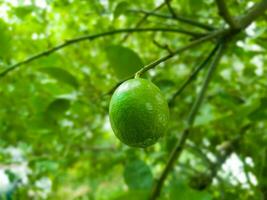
{"x":177,"y":18}
{"x":189,"y":46}
{"x":90,"y":38}
{"x":168,"y":3}
{"x":180,"y":143}
{"x":192,"y":76}
{"x":225,"y":14}
{"x":162,"y":46}
{"x":171,"y":54}
{"x":215,"y":34}
{"x":143,"y":19}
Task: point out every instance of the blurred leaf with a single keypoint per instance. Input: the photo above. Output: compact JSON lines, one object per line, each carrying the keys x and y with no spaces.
{"x":120,"y":8}
{"x":195,"y":6}
{"x":133,"y":195}
{"x":124,"y":61}
{"x":165,"y":85}
{"x":180,"y":189}
{"x":138,"y":175}
{"x":57,"y":107}
{"x":246,"y":109}
{"x":45,"y":166}
{"x":61,"y":75}
{"x":261,"y":112}
{"x":23,"y":11}
{"x":5,"y":39}
{"x":11,"y":175}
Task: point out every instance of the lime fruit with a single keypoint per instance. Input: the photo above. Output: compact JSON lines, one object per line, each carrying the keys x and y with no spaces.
{"x":138,"y":113}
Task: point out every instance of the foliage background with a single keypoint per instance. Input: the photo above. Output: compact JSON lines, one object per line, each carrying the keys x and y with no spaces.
{"x":55,"y":137}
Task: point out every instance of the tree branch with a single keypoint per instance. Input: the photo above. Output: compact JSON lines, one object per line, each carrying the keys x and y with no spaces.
{"x":193,"y":75}
{"x":247,"y":19}
{"x":168,"y":3}
{"x":177,"y":18}
{"x":90,"y":38}
{"x":252,"y":14}
{"x":189,"y":46}
{"x":186,"y":20}
{"x":143,"y":19}
{"x":215,"y":34}
{"x":202,"y":180}
{"x":180,"y":143}
{"x":225,"y":14}
{"x":162,"y":46}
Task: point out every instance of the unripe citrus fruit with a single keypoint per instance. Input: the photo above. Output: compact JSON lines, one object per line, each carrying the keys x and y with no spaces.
{"x":138,"y":113}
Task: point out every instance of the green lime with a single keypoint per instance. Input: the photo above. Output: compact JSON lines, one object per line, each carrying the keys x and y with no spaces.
{"x":138,"y":113}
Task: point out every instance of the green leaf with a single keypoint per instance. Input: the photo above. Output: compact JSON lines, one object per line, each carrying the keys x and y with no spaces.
{"x":5,"y":39}
{"x":133,"y":195}
{"x":45,"y":166}
{"x":138,"y":175}
{"x":124,"y":61}
{"x":261,"y":112}
{"x":23,"y":11}
{"x":11,"y":175}
{"x":180,"y":189}
{"x":57,"y":107}
{"x":120,"y":8}
{"x":61,"y":75}
{"x":195,"y":6}
{"x":245,"y":110}
{"x":165,"y":85}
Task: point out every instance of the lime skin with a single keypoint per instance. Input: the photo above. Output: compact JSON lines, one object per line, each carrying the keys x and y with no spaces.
{"x":138,"y":113}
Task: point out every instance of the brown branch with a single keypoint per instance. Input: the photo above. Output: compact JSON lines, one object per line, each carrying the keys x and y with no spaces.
{"x":180,"y":143}
{"x":90,"y":38}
